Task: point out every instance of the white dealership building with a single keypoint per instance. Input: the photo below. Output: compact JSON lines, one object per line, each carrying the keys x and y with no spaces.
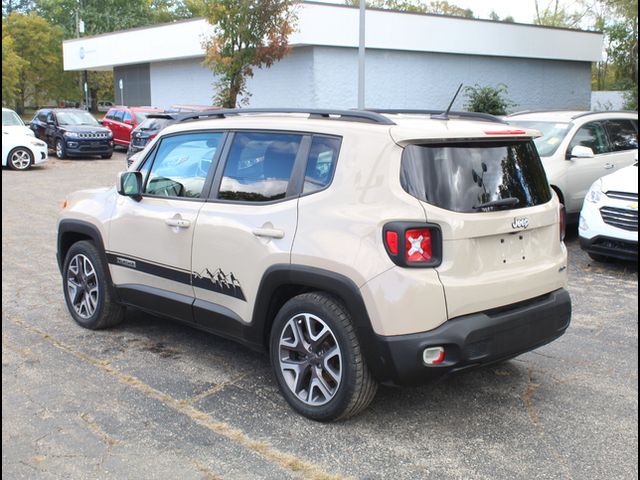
{"x":412,"y":61}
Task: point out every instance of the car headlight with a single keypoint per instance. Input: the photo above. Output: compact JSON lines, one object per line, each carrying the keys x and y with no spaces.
{"x":71,"y":135}
{"x":594,"y":195}
{"x":38,"y":143}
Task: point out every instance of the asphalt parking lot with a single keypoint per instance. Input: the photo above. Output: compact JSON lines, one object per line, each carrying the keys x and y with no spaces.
{"x":152,"y":399}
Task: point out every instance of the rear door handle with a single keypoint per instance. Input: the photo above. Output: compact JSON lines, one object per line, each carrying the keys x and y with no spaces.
{"x":177,"y":222}
{"x":608,"y":166}
{"x":268,"y":232}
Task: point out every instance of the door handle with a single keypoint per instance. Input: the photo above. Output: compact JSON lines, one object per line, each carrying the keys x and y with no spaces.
{"x":608,"y":166}
{"x":177,"y":222}
{"x":268,"y":232}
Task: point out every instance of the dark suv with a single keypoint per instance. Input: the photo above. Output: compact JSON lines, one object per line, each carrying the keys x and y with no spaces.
{"x":72,"y":133}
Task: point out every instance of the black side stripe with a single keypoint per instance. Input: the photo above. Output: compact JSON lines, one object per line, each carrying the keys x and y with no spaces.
{"x":180,"y":276}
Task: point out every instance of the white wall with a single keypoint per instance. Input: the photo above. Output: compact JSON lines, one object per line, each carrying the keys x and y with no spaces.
{"x":607,"y":100}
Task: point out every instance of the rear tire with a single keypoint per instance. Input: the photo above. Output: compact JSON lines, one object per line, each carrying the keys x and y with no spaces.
{"x":317,"y":359}
{"x":106,"y":156}
{"x":86,"y":291}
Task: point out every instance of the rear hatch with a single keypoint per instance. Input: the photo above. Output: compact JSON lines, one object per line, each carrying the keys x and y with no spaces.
{"x":500,"y":222}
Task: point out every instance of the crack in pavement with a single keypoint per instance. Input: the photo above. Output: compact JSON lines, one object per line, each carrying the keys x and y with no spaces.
{"x":284,"y":460}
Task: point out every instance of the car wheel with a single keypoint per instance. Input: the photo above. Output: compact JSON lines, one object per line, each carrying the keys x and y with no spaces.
{"x":20,"y":159}
{"x":106,"y":156}
{"x":86,"y":291}
{"x":597,"y":257}
{"x":317,"y":359}
{"x":61,"y":151}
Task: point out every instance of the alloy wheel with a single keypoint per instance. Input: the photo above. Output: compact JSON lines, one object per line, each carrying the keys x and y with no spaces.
{"x":20,"y":159}
{"x":310,"y":359}
{"x":82,"y":286}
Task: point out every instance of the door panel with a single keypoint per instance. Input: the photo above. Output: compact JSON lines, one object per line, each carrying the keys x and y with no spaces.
{"x":252,"y":222}
{"x":150,"y":240}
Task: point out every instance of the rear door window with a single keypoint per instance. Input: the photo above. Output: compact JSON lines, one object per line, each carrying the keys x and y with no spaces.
{"x":622,"y":135}
{"x":321,"y":163}
{"x":475,"y":177}
{"x":259,"y":167}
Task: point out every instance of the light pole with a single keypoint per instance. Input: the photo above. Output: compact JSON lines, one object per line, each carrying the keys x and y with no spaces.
{"x":361,"y":56}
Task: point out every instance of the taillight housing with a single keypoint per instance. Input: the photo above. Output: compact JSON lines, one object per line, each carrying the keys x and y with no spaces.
{"x":413,"y":244}
{"x":563,"y":222}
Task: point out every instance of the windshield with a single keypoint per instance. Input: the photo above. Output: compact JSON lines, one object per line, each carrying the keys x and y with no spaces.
{"x":76,"y":118}
{"x":475,"y":177}
{"x":10,"y":118}
{"x":552,"y":135}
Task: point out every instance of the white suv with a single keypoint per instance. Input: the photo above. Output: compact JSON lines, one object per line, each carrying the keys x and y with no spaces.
{"x":355,"y":247}
{"x":577,"y":148}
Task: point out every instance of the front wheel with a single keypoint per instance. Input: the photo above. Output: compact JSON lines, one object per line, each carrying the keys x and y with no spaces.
{"x":20,"y":159}
{"x":317,"y":359}
{"x":86,"y":291}
{"x":597,"y":257}
{"x":106,"y":156}
{"x":61,"y":150}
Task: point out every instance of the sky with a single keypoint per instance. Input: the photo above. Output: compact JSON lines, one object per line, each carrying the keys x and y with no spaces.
{"x":522,"y":11}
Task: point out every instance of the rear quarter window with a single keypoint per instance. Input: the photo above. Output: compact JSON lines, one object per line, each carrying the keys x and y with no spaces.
{"x":468,"y":177}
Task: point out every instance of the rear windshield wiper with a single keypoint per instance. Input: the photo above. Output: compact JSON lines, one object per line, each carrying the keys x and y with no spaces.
{"x":503,"y":202}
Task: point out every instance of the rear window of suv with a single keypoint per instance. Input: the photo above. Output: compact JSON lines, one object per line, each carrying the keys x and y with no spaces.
{"x":475,"y":177}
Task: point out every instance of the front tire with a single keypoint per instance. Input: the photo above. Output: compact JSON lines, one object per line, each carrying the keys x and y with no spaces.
{"x":61,"y":150}
{"x":317,"y":360}
{"x":20,"y":159}
{"x":597,"y":257}
{"x":106,"y":156}
{"x":86,"y":291}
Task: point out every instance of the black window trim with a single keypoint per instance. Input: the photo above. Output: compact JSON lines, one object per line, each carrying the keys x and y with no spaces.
{"x":215,"y":161}
{"x":212,"y":183}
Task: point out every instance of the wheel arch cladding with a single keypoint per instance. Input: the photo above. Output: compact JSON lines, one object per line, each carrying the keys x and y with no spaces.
{"x":283,"y":281}
{"x":71,"y":231}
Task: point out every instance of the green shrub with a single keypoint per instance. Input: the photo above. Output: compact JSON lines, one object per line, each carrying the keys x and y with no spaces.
{"x":488,"y":99}
{"x":631,"y":98}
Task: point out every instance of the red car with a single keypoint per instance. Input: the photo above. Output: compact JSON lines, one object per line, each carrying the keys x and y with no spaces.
{"x":122,"y":120}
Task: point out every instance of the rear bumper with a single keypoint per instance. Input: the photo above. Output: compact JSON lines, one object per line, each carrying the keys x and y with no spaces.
{"x":477,"y":339}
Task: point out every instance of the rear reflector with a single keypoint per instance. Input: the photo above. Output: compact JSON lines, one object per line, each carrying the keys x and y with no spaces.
{"x":505,"y":132}
{"x":418,"y":245}
{"x":392,"y":242}
{"x":433,"y":355}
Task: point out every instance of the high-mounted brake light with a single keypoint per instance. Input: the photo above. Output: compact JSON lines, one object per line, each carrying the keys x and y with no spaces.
{"x":413,"y":244}
{"x":505,"y":132}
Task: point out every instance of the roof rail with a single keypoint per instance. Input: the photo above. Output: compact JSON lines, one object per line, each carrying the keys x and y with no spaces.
{"x":471,"y":115}
{"x":325,"y":114}
{"x":593,"y":112}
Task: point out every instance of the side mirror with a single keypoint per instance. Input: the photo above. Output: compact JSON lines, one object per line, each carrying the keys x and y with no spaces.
{"x":580,"y":151}
{"x":101,"y":122}
{"x":130,"y":185}
{"x":128,"y":121}
{"x":51,"y":122}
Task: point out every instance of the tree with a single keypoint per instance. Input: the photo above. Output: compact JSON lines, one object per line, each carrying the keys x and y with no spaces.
{"x":488,"y":99}
{"x":556,"y":15}
{"x":248,"y":34}
{"x":37,"y":43}
{"x":417,"y":6}
{"x":12,"y":66}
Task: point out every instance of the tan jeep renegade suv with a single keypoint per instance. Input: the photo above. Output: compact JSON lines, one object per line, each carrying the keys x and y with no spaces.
{"x":355,"y":247}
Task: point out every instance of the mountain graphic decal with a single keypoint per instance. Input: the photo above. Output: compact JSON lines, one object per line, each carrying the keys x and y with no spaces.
{"x":219,"y":282}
